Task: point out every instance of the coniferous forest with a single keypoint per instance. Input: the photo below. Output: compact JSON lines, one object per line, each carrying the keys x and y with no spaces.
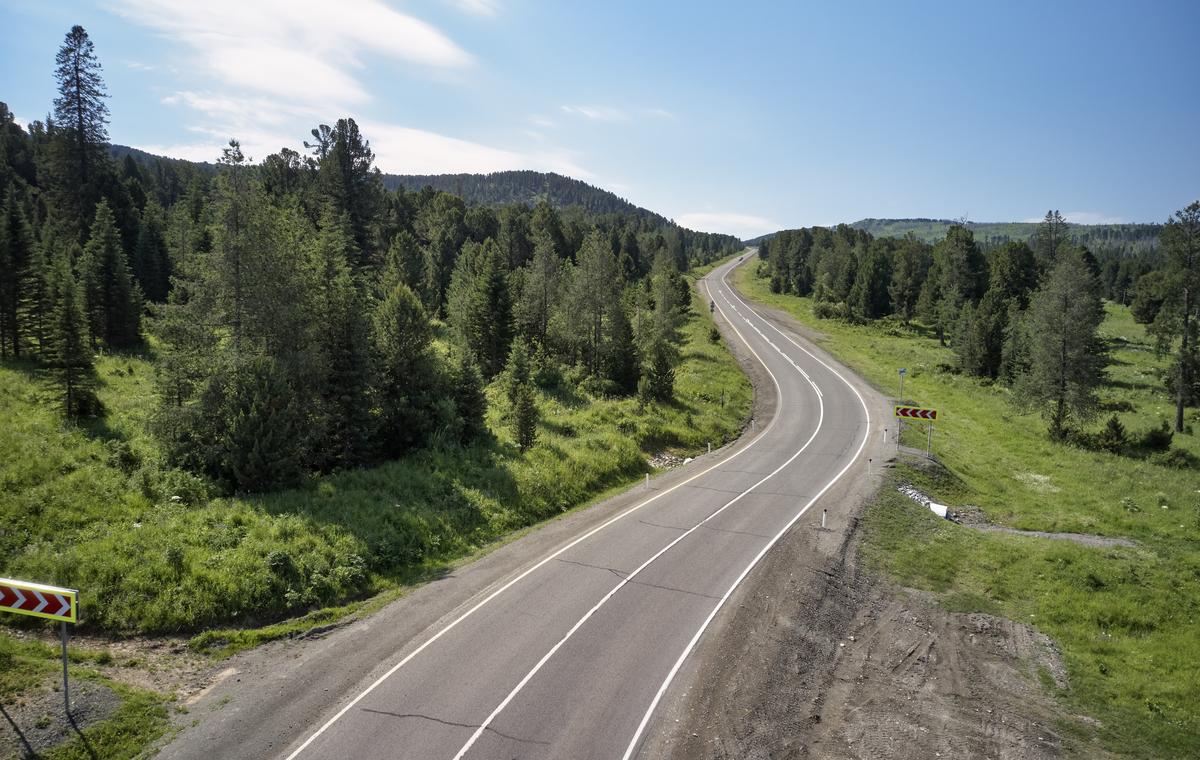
{"x":293,"y":303}
{"x":1024,"y":315}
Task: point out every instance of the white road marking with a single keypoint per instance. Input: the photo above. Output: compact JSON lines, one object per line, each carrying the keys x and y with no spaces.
{"x":633,"y":742}
{"x":624,"y":581}
{"x":541,"y":563}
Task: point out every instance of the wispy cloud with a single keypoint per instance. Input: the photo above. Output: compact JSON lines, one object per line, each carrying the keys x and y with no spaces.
{"x":744,"y":226}
{"x":403,"y":150}
{"x":477,"y":7}
{"x":660,"y":113}
{"x":295,"y":49}
{"x":139,"y":66}
{"x":278,"y":67}
{"x":1084,"y":217}
{"x":597,"y":113}
{"x":542,"y":121}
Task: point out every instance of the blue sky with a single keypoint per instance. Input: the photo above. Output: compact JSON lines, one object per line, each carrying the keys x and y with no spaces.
{"x":733,"y":117}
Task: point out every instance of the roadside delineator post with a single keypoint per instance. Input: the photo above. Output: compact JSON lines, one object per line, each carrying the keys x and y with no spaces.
{"x":647,"y":481}
{"x":824,"y":512}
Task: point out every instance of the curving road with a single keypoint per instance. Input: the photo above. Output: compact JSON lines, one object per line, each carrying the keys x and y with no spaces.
{"x":573,"y":653}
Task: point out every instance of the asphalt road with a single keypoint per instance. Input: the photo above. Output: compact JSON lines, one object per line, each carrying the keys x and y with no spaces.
{"x":574,"y":652}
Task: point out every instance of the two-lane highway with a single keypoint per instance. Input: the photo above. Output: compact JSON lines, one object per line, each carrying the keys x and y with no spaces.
{"x":573,"y":655}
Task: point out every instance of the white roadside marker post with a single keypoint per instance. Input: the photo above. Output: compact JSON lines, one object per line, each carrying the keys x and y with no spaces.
{"x":824,"y":512}
{"x":647,"y":481}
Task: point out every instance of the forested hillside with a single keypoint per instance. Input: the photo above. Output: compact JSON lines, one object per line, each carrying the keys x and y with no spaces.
{"x":235,"y":328}
{"x":1118,"y":238}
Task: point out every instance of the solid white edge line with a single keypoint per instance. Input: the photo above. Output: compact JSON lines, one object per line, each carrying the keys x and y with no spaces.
{"x":632,"y":747}
{"x":549,"y":558}
{"x":625,"y":581}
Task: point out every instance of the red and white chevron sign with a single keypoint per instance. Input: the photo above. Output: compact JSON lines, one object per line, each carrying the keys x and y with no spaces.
{"x":916,"y":413}
{"x":39,"y":600}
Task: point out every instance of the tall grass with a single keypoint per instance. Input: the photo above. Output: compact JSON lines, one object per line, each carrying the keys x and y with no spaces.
{"x":94,"y":507}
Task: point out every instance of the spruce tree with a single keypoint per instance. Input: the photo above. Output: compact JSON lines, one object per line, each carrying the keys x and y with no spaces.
{"x":151,"y":262}
{"x":470,"y":401}
{"x":1179,"y":315}
{"x":79,"y":132}
{"x":1051,"y":235}
{"x":479,"y":308}
{"x":263,"y":442}
{"x":69,"y":355}
{"x":541,"y":291}
{"x":403,"y":337}
{"x":17,"y":272}
{"x":114,"y":301}
{"x":1067,"y":356}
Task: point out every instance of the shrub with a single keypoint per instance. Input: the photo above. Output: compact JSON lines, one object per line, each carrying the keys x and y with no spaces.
{"x":1156,"y":438}
{"x":1113,"y":438}
{"x":1176,"y":458}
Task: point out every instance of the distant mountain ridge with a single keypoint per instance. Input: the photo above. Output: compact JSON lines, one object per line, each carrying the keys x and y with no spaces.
{"x":1131,"y":237}
{"x":492,"y":189}
{"x":522,"y":186}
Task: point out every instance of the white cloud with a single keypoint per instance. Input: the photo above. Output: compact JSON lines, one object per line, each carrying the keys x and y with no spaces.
{"x":597,"y":113}
{"x":139,"y":66}
{"x":744,"y":226}
{"x":22,"y":123}
{"x":660,"y":113}
{"x":279,"y":67}
{"x":477,"y":7}
{"x":542,"y":121}
{"x":295,"y":49}
{"x":402,"y":150}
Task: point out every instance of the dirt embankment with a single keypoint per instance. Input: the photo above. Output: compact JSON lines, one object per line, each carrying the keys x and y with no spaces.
{"x":820,"y":658}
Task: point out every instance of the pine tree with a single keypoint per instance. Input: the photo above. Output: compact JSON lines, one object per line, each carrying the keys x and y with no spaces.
{"x":403,"y":338}
{"x":620,"y":359}
{"x":17,"y":272}
{"x":521,"y":397}
{"x":525,"y":418}
{"x":263,"y":443}
{"x":79,"y":132}
{"x":352,"y":185}
{"x":541,"y":291}
{"x":869,"y":297}
{"x":343,"y":348}
{"x":470,"y":401}
{"x":1067,"y":357}
{"x":69,"y":356}
{"x":1051,"y":235}
{"x":1179,"y":315}
{"x":594,"y":287}
{"x":478,"y":306}
{"x":909,"y":270}
{"x":151,"y":261}
{"x":114,"y":301}
{"x":405,"y":264}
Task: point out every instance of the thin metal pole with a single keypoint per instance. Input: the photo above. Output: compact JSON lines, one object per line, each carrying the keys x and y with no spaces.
{"x":66,"y":683}
{"x":929,"y":445}
{"x":900,"y":421}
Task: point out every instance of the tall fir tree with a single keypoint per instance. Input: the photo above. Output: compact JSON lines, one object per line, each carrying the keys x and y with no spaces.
{"x":1067,"y":356}
{"x":1052,"y":233}
{"x":69,"y":355}
{"x":1178,"y":318}
{"x":479,"y":307}
{"x":114,"y":303}
{"x":151,"y":260}
{"x":80,"y":130}
{"x":17,"y":272}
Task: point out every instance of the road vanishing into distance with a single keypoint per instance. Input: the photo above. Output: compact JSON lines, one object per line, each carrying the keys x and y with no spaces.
{"x":573,"y":650}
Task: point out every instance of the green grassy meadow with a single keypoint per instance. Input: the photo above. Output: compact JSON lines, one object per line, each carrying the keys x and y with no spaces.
{"x":94,"y":507}
{"x":1127,"y":620}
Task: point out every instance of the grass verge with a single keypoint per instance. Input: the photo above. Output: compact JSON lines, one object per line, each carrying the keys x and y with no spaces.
{"x":1127,"y":620}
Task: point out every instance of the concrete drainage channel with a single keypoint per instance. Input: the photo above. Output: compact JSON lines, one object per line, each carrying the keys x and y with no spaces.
{"x":941,"y":510}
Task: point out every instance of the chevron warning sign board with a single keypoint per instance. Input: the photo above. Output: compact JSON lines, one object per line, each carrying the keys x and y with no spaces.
{"x":39,"y":600}
{"x":916,"y":413}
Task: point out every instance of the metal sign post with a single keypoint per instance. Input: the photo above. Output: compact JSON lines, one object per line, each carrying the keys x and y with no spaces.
{"x":900,"y":426}
{"x":49,"y":602}
{"x":929,"y":444}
